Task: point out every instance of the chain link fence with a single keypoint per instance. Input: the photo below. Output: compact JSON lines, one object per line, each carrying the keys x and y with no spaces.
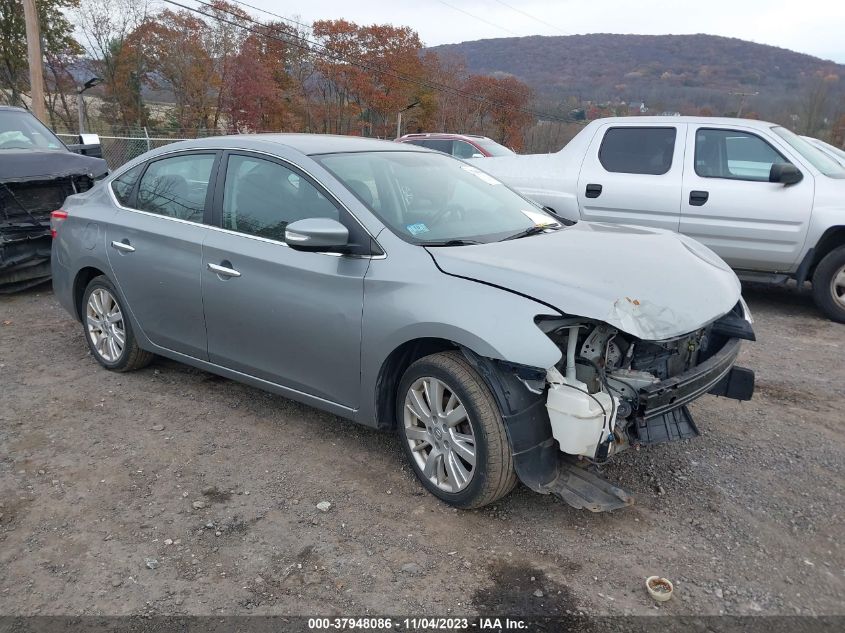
{"x":118,"y":150}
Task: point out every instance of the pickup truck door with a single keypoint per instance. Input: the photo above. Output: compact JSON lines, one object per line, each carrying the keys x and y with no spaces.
{"x":631,"y":174}
{"x":729,"y":204}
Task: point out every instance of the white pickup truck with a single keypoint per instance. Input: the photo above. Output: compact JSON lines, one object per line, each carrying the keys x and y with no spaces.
{"x":771,"y":204}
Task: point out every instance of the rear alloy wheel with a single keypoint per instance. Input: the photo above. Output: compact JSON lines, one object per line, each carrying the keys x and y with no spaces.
{"x":107,"y":329}
{"x":829,"y":285}
{"x":453,"y":433}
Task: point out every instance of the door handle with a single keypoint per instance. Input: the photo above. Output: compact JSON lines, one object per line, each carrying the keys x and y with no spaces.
{"x":124,"y":246}
{"x":223,"y":270}
{"x":698,"y":198}
{"x":593,"y":191}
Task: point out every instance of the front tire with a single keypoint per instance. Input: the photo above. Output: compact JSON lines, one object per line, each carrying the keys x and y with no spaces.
{"x":829,"y":285}
{"x":452,"y":432}
{"x":108,"y":331}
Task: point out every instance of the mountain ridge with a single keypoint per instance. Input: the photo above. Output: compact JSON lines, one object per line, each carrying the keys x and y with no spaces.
{"x":675,"y":71}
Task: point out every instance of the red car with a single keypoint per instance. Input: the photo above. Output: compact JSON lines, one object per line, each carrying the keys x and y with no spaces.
{"x":458,"y":145}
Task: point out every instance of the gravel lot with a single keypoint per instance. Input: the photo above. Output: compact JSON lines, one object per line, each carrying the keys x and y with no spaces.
{"x":172,"y":491}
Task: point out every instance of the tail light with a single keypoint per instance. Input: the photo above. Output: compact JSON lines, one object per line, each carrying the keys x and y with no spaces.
{"x":56,"y":218}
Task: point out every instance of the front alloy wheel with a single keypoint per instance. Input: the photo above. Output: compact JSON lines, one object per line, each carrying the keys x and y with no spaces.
{"x":452,"y":431}
{"x":439,"y":434}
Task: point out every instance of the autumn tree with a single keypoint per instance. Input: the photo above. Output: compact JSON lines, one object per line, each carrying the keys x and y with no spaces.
{"x":816,"y":103}
{"x":500,"y":108}
{"x":60,"y":84}
{"x":226,"y":45}
{"x":107,"y":27}
{"x":176,"y":49}
{"x":56,"y":37}
{"x":366,"y":74}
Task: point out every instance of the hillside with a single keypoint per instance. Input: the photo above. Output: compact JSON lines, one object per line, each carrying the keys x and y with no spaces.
{"x":672,"y":70}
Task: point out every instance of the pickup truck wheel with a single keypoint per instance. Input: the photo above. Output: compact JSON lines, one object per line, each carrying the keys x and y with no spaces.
{"x":107,"y":328}
{"x":829,"y":285}
{"x":452,"y":432}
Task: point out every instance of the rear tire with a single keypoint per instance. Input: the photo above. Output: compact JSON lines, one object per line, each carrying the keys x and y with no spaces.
{"x":107,"y":329}
{"x":458,"y":448}
{"x":829,"y":285}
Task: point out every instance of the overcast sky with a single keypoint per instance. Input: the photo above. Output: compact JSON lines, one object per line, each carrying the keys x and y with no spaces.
{"x":816,"y":27}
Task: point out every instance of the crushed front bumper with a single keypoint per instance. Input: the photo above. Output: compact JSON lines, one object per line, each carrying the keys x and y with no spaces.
{"x":24,"y":256}
{"x":715,"y":375}
{"x":663,"y":415}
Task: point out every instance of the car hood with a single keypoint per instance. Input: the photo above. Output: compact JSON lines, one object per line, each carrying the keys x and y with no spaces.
{"x":23,"y":165}
{"x":650,"y":283}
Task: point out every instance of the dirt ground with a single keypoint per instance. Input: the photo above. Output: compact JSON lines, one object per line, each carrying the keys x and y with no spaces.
{"x":172,"y":491}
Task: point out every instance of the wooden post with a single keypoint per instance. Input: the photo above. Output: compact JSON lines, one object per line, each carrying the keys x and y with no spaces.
{"x":33,"y":50}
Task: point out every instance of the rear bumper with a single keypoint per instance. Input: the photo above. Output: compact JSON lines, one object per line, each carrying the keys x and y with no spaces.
{"x":716,"y":375}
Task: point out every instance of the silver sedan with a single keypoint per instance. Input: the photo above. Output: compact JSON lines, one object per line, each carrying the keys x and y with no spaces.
{"x":404,"y":289}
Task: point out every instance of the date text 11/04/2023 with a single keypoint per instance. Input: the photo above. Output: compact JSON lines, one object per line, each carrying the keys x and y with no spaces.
{"x":418,"y":624}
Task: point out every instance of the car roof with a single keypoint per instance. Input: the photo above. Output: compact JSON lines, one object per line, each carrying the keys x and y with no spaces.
{"x":698,"y":120}
{"x":308,"y":144}
{"x":6,"y":108}
{"x":441,"y":135}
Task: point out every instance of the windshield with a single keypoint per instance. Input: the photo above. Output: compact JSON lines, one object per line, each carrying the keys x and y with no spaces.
{"x":835,"y":152}
{"x":428,"y":198}
{"x":492,"y":147}
{"x":812,"y":154}
{"x":21,"y":130}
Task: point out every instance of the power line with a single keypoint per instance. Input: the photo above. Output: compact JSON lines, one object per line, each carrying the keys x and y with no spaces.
{"x":306,"y":44}
{"x":532,"y":17}
{"x":480,"y":19}
{"x":275,"y":15}
{"x":306,"y":26}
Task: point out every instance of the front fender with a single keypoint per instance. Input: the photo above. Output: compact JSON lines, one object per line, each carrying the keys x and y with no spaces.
{"x":491,"y":322}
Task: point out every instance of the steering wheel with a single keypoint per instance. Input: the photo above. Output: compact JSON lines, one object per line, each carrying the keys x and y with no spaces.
{"x":445,"y":212}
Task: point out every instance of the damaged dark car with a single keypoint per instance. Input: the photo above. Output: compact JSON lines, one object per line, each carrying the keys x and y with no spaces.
{"x":37,"y":173}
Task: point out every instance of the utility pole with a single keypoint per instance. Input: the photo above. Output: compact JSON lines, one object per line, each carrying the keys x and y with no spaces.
{"x":399,"y":117}
{"x":742,"y":96}
{"x":33,"y":51}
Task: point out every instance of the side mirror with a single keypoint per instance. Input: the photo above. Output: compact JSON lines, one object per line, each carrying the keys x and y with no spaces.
{"x":316,"y":234}
{"x":785,"y":173}
{"x":477,"y":155}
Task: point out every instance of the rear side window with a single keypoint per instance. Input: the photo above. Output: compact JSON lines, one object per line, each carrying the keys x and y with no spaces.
{"x":465,"y":150}
{"x":638,"y":150}
{"x":734,"y":155}
{"x":123,"y":185}
{"x":176,"y":186}
{"x":439,"y":145}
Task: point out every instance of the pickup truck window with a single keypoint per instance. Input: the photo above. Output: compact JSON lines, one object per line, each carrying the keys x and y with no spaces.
{"x":638,"y":150}
{"x":734,"y":155}
{"x":816,"y":157}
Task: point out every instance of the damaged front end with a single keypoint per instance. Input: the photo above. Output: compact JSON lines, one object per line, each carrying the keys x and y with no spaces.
{"x":27,"y":198}
{"x":611,"y":391}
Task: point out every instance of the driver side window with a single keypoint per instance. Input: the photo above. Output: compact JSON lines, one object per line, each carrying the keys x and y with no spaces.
{"x":734,"y":155}
{"x":261,"y":197}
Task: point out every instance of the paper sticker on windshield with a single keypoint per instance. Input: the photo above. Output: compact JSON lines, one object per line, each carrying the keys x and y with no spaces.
{"x":539,"y":219}
{"x":416,"y":229}
{"x":480,"y":175}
